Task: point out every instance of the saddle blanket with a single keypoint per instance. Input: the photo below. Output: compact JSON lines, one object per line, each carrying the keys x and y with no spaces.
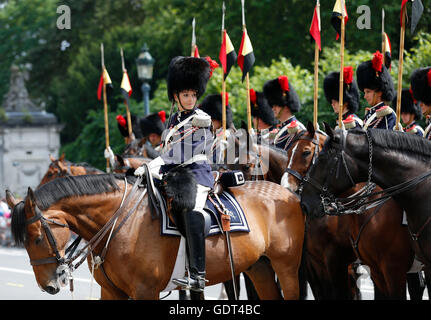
{"x":238,"y":221}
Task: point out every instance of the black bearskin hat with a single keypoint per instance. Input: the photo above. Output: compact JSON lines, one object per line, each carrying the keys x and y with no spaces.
{"x":331,"y":87}
{"x":261,"y":109}
{"x":153,"y":123}
{"x":374,"y":75}
{"x":408,"y":104}
{"x":421,"y":85}
{"x":123,"y":126}
{"x":281,"y":93}
{"x":188,"y":73}
{"x":212,"y":105}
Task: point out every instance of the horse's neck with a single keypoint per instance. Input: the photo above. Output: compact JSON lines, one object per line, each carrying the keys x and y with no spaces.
{"x":277,"y":165}
{"x":86,"y":215}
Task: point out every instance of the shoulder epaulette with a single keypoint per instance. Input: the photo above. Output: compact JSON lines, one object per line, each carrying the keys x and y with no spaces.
{"x":384,"y":111}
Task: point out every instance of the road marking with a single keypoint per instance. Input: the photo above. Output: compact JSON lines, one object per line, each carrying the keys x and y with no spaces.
{"x":31,"y":273}
{"x":19,"y":285}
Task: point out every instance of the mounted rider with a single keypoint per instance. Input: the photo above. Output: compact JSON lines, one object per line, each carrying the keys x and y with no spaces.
{"x":331,"y":88}
{"x":421,"y":88}
{"x":263,"y":117}
{"x":375,"y":81}
{"x":212,"y":105}
{"x":410,"y":113}
{"x":186,"y":143}
{"x":284,"y":102}
{"x":152,"y":127}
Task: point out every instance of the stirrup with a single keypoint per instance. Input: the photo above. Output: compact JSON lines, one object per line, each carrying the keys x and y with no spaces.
{"x":188,"y":283}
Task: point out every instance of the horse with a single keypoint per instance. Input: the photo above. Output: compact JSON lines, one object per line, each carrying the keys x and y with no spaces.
{"x":392,"y":160}
{"x":61,"y":168}
{"x":140,"y":261}
{"x":356,"y":236}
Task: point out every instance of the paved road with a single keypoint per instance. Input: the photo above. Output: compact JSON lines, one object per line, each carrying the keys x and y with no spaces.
{"x":17,"y":282}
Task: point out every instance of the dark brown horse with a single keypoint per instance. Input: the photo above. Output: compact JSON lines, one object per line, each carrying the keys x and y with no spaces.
{"x":377,"y":237}
{"x":139,"y":261}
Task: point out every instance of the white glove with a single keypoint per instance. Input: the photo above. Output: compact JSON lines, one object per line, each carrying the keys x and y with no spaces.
{"x":110,"y":155}
{"x":153,"y":166}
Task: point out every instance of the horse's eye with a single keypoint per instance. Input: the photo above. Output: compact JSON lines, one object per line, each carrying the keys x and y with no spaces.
{"x":306,"y":153}
{"x":38,"y":240}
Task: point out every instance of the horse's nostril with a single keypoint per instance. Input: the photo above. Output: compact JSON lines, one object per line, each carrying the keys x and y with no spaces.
{"x":52,"y":289}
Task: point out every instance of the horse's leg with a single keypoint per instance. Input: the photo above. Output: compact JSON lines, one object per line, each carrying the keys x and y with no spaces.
{"x":263,"y":277}
{"x":395,"y":281}
{"x":337,"y":266}
{"x":107,"y":293}
{"x":380,"y":292}
{"x":427,"y":272}
{"x":251,"y":290}
{"x":182,"y":295}
{"x":416,"y":291}
{"x":228,"y":285}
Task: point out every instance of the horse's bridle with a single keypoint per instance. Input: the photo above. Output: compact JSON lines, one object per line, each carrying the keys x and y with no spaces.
{"x":51,"y":239}
{"x":315,"y":141}
{"x":331,"y":204}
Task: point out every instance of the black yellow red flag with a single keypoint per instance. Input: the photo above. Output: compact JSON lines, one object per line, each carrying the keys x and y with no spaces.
{"x":337,"y":14}
{"x":104,"y":79}
{"x":227,"y":54}
{"x":246,"y":57}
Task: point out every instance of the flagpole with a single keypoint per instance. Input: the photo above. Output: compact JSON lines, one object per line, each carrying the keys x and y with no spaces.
{"x":105,"y":107}
{"x":129,"y":117}
{"x":400,"y":68}
{"x":340,"y":100}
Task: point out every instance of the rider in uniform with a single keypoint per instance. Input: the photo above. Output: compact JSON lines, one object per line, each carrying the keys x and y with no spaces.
{"x":263,"y":117}
{"x":410,"y":113}
{"x":421,"y":88}
{"x":187,"y":143}
{"x":152,"y":127}
{"x":375,"y":81}
{"x":212,"y":105}
{"x":284,"y":101}
{"x":331,"y":87}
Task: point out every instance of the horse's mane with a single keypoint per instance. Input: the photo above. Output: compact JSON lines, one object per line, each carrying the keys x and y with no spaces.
{"x":61,"y":188}
{"x":409,"y":144}
{"x":70,"y":186}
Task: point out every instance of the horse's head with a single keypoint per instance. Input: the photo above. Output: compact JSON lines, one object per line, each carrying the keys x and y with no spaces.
{"x":135,"y":148}
{"x":333,"y":173}
{"x":44,"y":235}
{"x":302,"y":152}
{"x":57,"y":168}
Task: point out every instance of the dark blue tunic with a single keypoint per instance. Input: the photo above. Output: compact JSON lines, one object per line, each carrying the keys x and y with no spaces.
{"x":283,"y":140}
{"x":186,"y":143}
{"x":387,"y":122}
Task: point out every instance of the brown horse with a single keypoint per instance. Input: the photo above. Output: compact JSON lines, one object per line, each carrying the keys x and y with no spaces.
{"x":60,"y":168}
{"x":377,"y":237}
{"x":139,"y":261}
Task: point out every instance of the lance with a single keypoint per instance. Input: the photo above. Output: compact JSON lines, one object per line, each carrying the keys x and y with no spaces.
{"x":223,"y":82}
{"x":129,"y":118}
{"x":340,"y":99}
{"x":383,"y":37}
{"x":105,"y":107}
{"x":400,"y":67}
{"x":247,"y":78}
{"x":316,"y":72}
{"x":193,"y":38}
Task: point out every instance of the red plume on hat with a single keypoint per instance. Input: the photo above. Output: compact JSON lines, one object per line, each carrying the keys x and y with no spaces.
{"x":162,"y":115}
{"x":253,"y":97}
{"x":348,"y":75}
{"x":121,"y":121}
{"x":284,"y":83}
{"x":429,"y":77}
{"x":377,"y":61}
{"x":213,"y":64}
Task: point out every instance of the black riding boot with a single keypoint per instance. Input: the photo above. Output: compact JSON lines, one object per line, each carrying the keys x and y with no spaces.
{"x":194,"y":226}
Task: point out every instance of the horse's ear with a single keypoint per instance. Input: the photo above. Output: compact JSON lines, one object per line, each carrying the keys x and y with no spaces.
{"x":61,"y":166}
{"x":62,"y":157}
{"x":51,"y":158}
{"x":120,"y":160}
{"x":310,"y":129}
{"x":30,"y":200}
{"x":10,"y":199}
{"x":329,"y":131}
